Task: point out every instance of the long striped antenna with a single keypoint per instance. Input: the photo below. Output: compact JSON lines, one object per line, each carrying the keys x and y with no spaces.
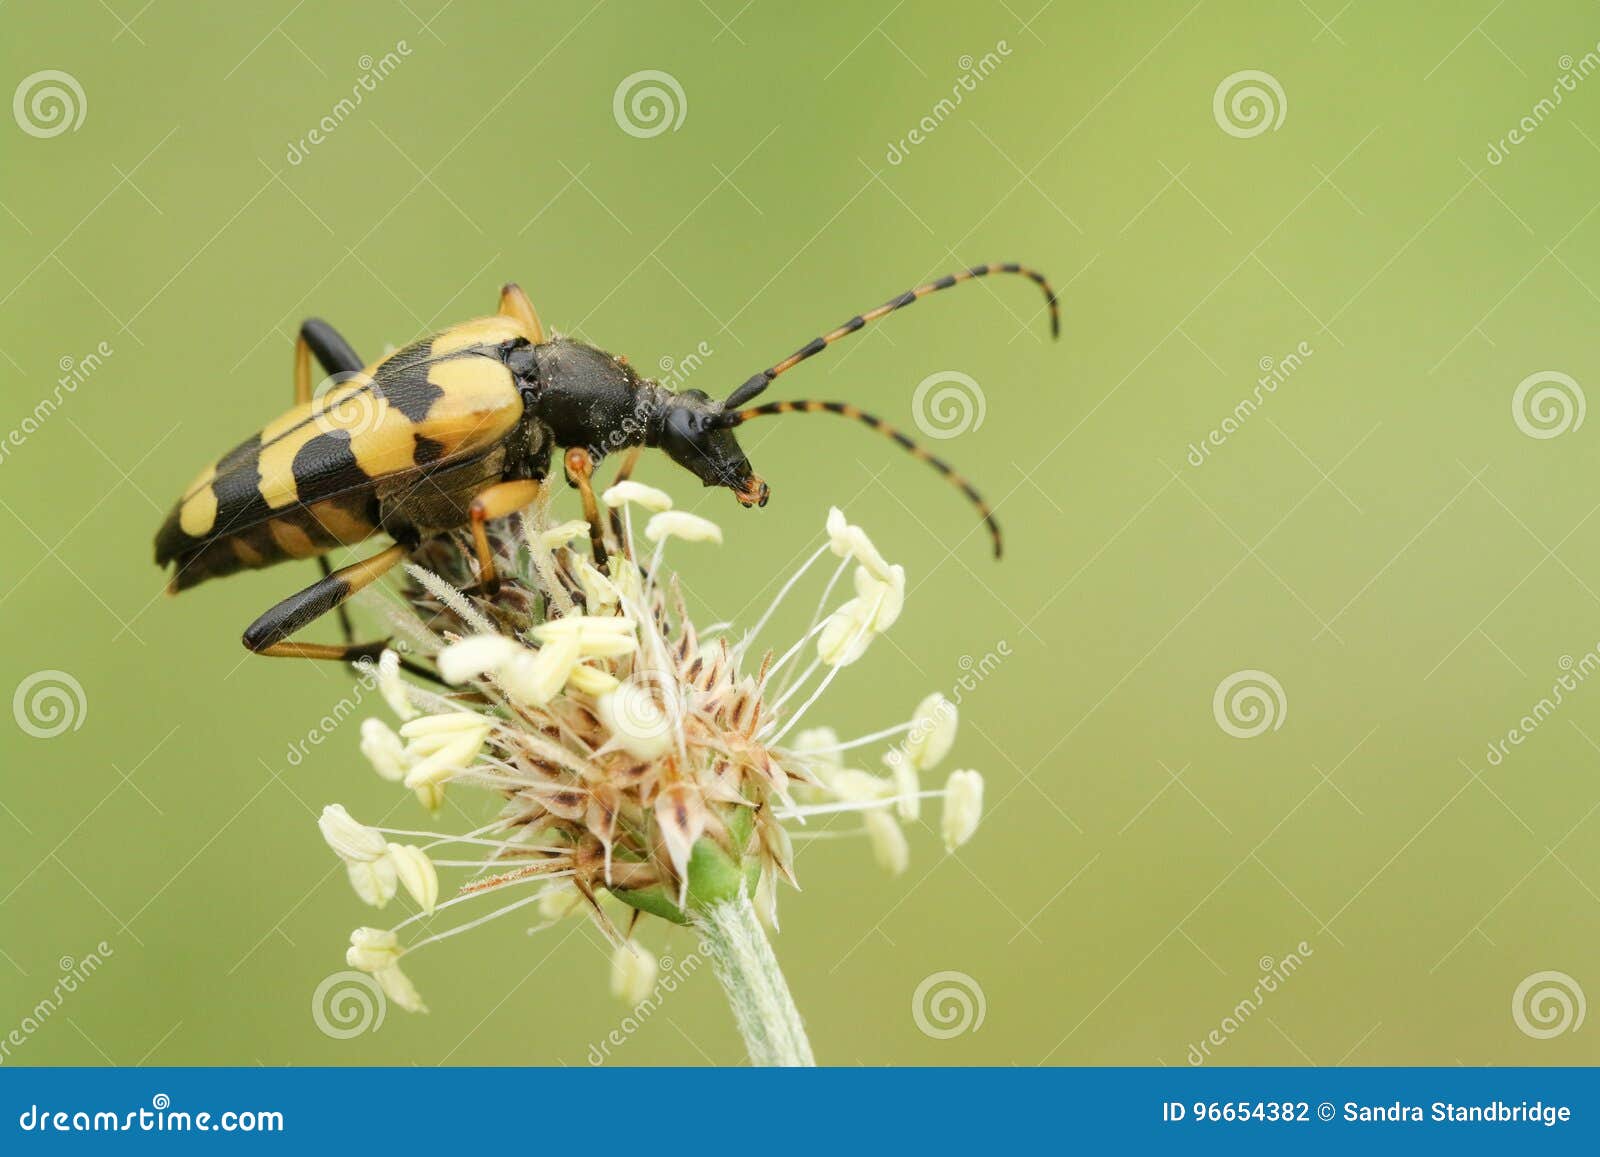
{"x":753,"y":387}
{"x":846,"y":410}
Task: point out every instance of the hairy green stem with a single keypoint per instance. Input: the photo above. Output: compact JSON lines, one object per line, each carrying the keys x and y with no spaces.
{"x":743,"y":960}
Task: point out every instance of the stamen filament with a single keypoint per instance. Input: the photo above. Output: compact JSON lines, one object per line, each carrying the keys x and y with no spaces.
{"x":833,"y":673}
{"x":858,"y":805}
{"x":744,"y":644}
{"x":822,"y":604}
{"x":470,"y":924}
{"x":875,"y":737}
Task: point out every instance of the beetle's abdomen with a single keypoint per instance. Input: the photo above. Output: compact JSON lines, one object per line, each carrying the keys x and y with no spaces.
{"x":301,"y":532}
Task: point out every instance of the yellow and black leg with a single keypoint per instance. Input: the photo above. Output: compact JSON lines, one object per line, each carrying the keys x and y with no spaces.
{"x":498,"y":501}
{"x":269,"y":635}
{"x":515,"y":303}
{"x":580,"y":469}
{"x":320,"y":340}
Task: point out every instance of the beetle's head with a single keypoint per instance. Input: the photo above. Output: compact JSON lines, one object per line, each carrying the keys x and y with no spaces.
{"x":695,"y":436}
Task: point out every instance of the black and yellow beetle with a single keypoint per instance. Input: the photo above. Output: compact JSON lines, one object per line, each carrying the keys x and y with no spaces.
{"x":457,"y":429}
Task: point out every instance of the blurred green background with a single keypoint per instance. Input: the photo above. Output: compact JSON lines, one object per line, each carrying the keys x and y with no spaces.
{"x":1380,"y":536}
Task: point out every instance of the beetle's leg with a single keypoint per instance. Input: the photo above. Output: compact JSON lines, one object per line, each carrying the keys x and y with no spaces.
{"x":496,"y":501}
{"x":335,"y":356}
{"x":269,"y":634}
{"x":624,"y":472}
{"x":580,"y":468}
{"x":515,"y":303}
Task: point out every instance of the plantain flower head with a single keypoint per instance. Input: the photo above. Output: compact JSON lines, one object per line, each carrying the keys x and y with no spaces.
{"x":634,"y":764}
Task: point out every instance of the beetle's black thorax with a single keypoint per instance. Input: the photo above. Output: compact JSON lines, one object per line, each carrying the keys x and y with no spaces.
{"x":589,"y":398}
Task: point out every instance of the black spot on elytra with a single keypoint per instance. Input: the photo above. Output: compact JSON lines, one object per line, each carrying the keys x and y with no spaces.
{"x":426,"y":450}
{"x":409,"y":391}
{"x":238,"y":487}
{"x":327,"y":461}
{"x":242,"y":455}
